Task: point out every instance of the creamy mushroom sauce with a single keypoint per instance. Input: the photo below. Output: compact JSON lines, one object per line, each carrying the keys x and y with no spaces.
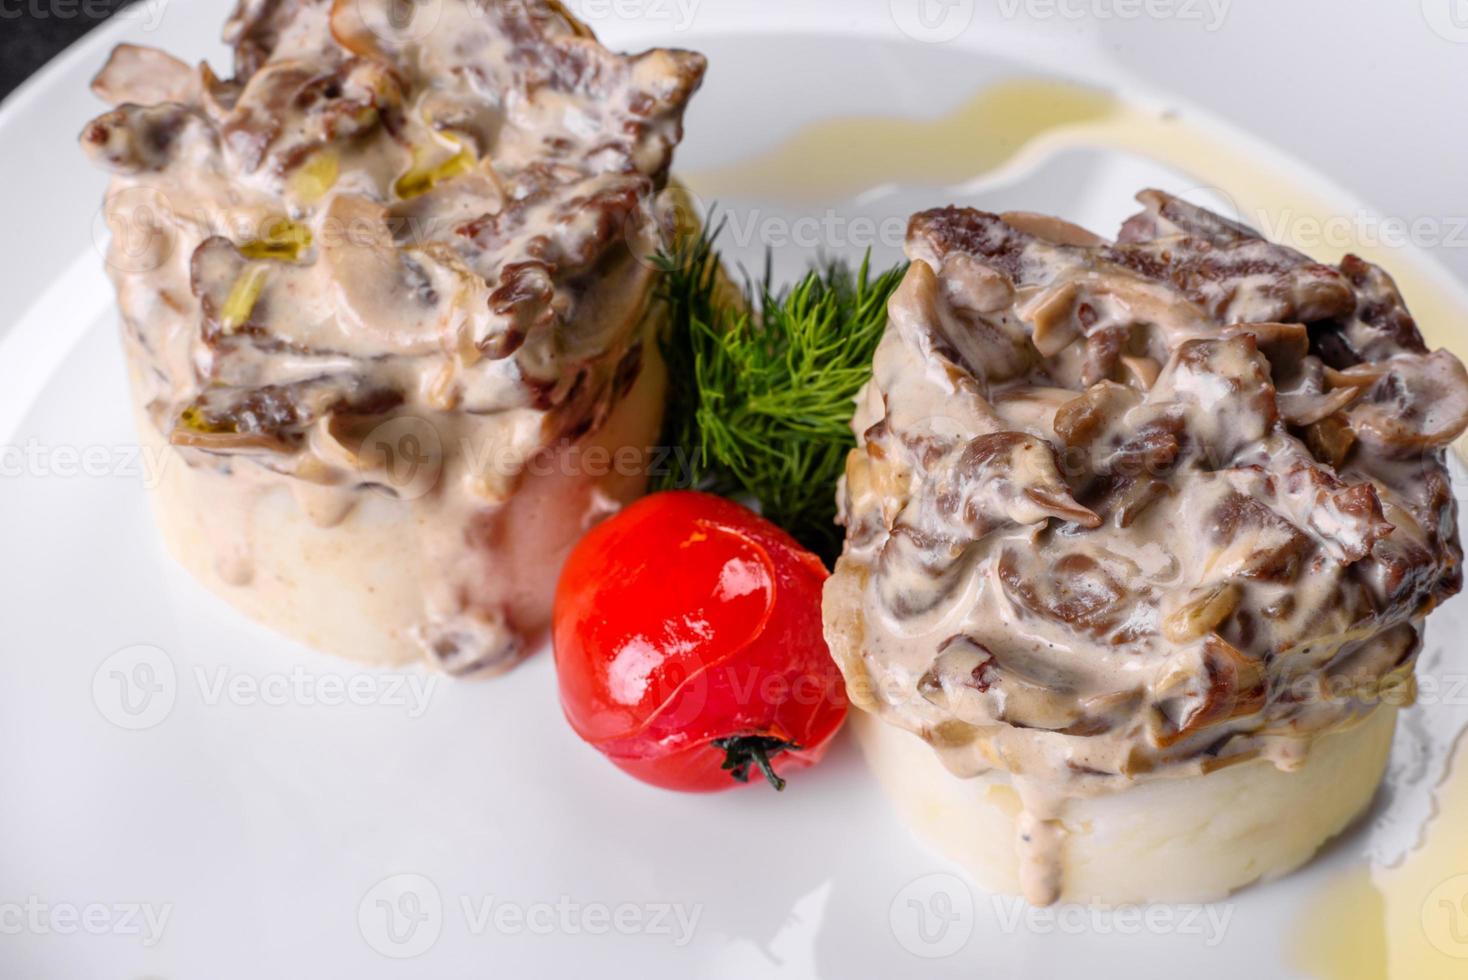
{"x":1138,"y":509}
{"x":375,"y":217}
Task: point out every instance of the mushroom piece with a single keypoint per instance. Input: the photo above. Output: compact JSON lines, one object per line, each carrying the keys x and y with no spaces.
{"x":1419,"y":403}
{"x":1082,"y":420}
{"x":1285,"y":344}
{"x":1052,"y":315}
{"x":1214,"y":683}
{"x":970,"y":285}
{"x":1142,"y":372}
{"x":217,"y":96}
{"x":134,"y":139}
{"x":1073,"y":588}
{"x":981,"y":687}
{"x":1306,"y":409}
{"x":1359,"y":376}
{"x":1050,"y":229}
{"x":410,"y":300}
{"x":923,"y":316}
{"x":144,"y":76}
{"x":1205,"y":609}
{"x":362,"y":27}
{"x":1004,"y":479}
{"x":227,"y":297}
{"x":1330,"y":439}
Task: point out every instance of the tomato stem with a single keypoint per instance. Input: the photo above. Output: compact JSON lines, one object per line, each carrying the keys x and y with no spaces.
{"x":743,"y":751}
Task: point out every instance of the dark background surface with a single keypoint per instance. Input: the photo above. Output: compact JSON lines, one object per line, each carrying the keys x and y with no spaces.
{"x":32,"y":32}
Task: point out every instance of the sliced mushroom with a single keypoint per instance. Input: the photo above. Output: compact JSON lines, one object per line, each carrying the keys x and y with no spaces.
{"x":1421,"y":403}
{"x":1014,"y":687}
{"x":409,"y":300}
{"x":1126,"y":498}
{"x":1008,"y":478}
{"x":219,"y":275}
{"x":144,"y":76}
{"x":1083,"y":420}
{"x":920,"y":312}
{"x":136,"y":139}
{"x":275,"y":418}
{"x":971,"y":285}
{"x":364,"y":35}
{"x":1205,"y":608}
{"x":1306,"y":409}
{"x":1285,"y":344}
{"x":1330,"y":440}
{"x":1359,"y":376}
{"x":1212,"y":683}
{"x":1052,"y":318}
{"x":1051,"y":229}
{"x":216,"y":95}
{"x":1073,"y":588}
{"x":1142,"y":372}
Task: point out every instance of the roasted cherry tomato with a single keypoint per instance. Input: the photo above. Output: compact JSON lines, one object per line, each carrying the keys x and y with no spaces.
{"x":689,"y":647}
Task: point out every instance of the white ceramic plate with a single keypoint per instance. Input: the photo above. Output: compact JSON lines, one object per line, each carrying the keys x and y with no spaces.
{"x":186,"y":794}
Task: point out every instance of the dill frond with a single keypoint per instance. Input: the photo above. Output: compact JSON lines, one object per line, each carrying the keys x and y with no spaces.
{"x":764,"y":385}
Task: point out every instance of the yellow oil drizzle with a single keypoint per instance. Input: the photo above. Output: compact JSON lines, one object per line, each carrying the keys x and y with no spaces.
{"x":1016,"y":124}
{"x":843,"y":157}
{"x":1408,"y":922}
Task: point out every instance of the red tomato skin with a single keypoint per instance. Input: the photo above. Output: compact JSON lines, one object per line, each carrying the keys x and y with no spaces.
{"x":687,"y":618}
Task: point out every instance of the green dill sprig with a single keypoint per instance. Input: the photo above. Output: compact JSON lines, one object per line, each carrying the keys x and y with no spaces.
{"x":764,"y":382}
